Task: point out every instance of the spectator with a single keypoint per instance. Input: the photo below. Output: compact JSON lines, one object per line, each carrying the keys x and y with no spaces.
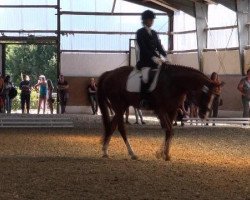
{"x":25,"y":88}
{"x":7,"y":88}
{"x":62,"y":87}
{"x":182,"y":111}
{"x":193,"y":109}
{"x":92,"y":91}
{"x":1,"y":94}
{"x":138,"y":114}
{"x":244,"y":88}
{"x":50,"y":98}
{"x":216,"y":101}
{"x":127,"y":116}
{"x":42,"y":84}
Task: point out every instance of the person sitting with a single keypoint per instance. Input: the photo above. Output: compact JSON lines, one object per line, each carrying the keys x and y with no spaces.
{"x":25,"y":88}
{"x":150,"y":52}
{"x":92,"y":91}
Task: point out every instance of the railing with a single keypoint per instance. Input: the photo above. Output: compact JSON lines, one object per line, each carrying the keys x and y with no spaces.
{"x":40,"y":122}
{"x":226,"y":121}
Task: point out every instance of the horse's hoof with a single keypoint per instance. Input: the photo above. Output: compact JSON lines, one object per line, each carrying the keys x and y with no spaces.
{"x":105,"y":156}
{"x":167,"y":158}
{"x":134,"y":157}
{"x":161,"y":155}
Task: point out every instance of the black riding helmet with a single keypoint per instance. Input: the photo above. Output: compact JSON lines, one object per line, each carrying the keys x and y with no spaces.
{"x":148,"y":14}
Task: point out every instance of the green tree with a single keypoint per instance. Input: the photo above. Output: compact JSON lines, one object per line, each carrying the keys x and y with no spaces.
{"x":33,"y":60}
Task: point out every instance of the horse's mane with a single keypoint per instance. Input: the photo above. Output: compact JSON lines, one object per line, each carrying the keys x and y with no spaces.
{"x":176,"y":68}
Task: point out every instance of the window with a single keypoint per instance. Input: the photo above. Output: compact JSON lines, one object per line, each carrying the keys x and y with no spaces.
{"x":184,"y":41}
{"x":120,"y":24}
{"x":222,"y":38}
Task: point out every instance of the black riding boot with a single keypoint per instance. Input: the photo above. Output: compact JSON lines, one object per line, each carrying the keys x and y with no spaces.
{"x":144,"y":94}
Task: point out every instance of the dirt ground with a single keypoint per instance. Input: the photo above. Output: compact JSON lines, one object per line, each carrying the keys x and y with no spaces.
{"x":207,"y":163}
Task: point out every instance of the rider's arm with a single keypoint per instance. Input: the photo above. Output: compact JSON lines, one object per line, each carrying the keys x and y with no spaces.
{"x":160,"y":47}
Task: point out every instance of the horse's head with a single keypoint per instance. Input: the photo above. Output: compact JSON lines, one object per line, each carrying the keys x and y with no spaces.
{"x":206,"y":98}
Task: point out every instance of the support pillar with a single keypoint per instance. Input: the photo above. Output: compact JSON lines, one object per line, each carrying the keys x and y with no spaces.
{"x":170,"y":30}
{"x":201,"y":14}
{"x":58,"y":44}
{"x":242,"y":9}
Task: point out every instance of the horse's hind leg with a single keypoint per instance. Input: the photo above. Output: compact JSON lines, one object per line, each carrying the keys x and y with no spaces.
{"x":123,"y":133}
{"x":107,"y":137}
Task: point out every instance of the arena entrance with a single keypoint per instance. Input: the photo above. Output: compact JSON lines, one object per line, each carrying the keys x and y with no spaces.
{"x":32,"y":60}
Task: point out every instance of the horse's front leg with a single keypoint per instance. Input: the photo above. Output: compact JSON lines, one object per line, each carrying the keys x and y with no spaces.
{"x":166,"y":125}
{"x":123,"y":133}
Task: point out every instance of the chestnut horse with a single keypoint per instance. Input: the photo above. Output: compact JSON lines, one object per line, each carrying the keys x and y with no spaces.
{"x":174,"y":82}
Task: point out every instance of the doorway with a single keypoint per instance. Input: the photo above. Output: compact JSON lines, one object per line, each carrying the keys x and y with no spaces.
{"x":32,"y":60}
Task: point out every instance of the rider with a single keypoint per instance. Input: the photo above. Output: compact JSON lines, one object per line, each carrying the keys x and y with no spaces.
{"x":150,"y":51}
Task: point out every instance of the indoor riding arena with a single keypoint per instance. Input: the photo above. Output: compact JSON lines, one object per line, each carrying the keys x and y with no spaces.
{"x":53,"y":117}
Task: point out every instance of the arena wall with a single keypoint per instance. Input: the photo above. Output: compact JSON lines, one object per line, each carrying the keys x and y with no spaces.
{"x":79,"y":67}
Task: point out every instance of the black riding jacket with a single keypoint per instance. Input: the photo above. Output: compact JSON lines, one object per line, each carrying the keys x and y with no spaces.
{"x":149,"y":45}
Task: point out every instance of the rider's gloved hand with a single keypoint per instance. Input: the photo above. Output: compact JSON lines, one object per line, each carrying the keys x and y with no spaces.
{"x":166,"y":60}
{"x":157,"y":60}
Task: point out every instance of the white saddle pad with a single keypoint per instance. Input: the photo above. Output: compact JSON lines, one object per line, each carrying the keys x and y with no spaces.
{"x":135,"y":77}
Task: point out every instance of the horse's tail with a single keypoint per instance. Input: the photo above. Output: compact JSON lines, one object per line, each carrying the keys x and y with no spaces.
{"x":103,"y":104}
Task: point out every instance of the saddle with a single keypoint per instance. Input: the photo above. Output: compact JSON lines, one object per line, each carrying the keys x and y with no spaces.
{"x":136,"y":77}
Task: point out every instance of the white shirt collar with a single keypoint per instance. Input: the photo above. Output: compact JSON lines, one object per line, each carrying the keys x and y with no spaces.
{"x":148,"y":30}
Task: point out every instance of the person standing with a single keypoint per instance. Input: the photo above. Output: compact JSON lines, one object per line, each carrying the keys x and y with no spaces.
{"x":62,"y":87}
{"x":1,"y":94}
{"x":42,"y":85}
{"x":50,"y":98}
{"x":92,"y":91}
{"x":244,"y":88}
{"x":138,"y":113}
{"x":8,"y":100}
{"x":216,"y":101}
{"x":25,"y":88}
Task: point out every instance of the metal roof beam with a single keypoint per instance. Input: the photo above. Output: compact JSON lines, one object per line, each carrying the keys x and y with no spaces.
{"x":231,"y":4}
{"x":151,"y":5}
{"x":186,"y":6}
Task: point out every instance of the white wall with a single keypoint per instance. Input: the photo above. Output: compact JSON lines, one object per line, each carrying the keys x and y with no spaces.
{"x":87,"y":65}
{"x":91,"y":64}
{"x":211,"y":59}
{"x":230,"y":60}
{"x":186,"y":59}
